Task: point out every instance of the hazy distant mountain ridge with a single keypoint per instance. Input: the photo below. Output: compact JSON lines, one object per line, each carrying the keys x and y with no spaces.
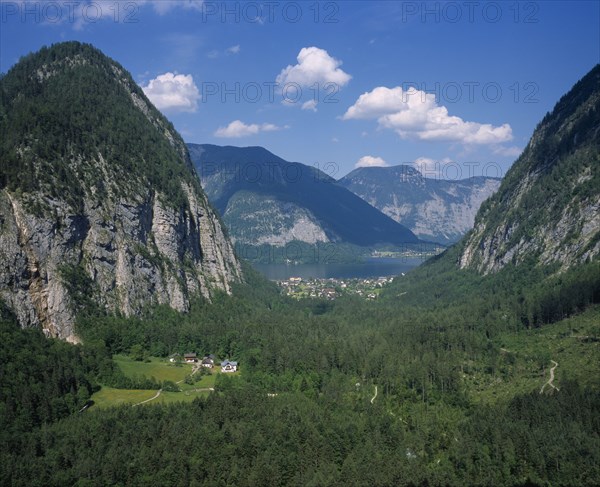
{"x":265,"y":199}
{"x":434,"y":209}
{"x":548,"y":205}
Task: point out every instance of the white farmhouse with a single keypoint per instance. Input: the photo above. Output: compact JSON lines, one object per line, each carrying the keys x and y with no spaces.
{"x":228,"y":366}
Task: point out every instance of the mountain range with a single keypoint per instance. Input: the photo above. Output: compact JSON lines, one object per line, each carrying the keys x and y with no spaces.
{"x":437,"y":210}
{"x":264,"y":199}
{"x":101,"y":204}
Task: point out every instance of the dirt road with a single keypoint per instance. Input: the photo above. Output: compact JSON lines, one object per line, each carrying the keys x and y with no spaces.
{"x":551,"y":380}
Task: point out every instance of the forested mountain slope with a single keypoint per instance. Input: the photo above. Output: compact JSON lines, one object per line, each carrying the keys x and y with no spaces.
{"x":548,"y":206}
{"x":98,"y":197}
{"x":532,"y":258}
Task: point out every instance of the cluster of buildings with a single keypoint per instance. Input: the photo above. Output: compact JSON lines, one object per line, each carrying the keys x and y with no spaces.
{"x":332,"y":288}
{"x":208,"y":361}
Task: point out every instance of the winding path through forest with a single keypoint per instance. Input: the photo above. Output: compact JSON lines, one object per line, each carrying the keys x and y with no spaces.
{"x":551,"y":380}
{"x":373,"y":398}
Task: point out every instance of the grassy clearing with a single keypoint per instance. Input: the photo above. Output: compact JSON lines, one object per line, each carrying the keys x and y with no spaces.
{"x":525,"y":358}
{"x":159,"y":368}
{"x":107,"y":397}
{"x":203,"y":382}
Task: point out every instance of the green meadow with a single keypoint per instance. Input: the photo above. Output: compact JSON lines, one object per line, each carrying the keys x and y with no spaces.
{"x":161,"y":370}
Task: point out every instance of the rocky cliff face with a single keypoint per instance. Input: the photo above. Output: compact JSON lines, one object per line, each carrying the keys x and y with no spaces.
{"x":437,"y":210}
{"x":136,"y":252}
{"x":548,"y":206}
{"x":120,"y":238}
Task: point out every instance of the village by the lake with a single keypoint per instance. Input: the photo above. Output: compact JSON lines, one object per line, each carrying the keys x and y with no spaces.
{"x":331,"y":288}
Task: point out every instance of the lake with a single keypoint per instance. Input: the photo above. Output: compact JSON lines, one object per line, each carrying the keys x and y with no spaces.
{"x":371,"y":267}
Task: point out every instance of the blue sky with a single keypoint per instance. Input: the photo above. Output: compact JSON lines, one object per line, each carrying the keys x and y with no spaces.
{"x":439,"y":84}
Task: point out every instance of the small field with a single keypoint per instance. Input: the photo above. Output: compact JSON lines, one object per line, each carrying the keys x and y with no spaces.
{"x":161,"y":369}
{"x":107,"y":397}
{"x":526,"y":357}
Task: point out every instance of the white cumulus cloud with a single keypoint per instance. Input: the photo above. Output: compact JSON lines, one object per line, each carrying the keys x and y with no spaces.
{"x":233,"y":49}
{"x":173,"y":92}
{"x":415,"y":114}
{"x":310,"y":105}
{"x":371,"y":161}
{"x":315,"y":65}
{"x":237,"y":129}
